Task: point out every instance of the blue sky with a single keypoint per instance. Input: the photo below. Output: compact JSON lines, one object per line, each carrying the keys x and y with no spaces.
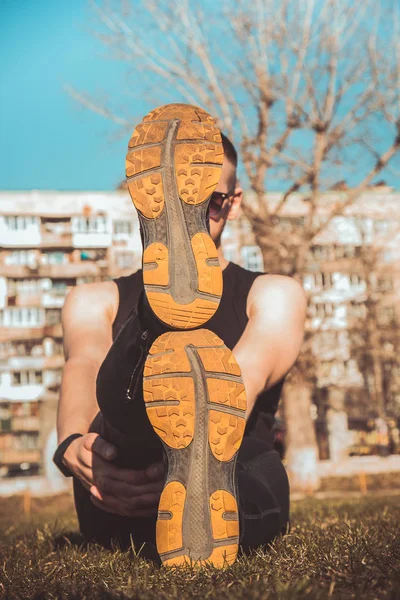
{"x":47,"y":140}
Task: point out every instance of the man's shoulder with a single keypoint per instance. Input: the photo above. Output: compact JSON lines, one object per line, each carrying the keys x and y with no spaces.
{"x":280,"y":289}
{"x":95,"y":298}
{"x":278,"y":282}
{"x":100,"y":296}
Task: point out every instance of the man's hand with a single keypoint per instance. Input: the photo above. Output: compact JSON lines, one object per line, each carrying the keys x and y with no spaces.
{"x":127,"y":492}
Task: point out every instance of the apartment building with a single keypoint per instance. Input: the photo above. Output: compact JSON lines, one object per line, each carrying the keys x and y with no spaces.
{"x":346,"y":286}
{"x":52,"y":241}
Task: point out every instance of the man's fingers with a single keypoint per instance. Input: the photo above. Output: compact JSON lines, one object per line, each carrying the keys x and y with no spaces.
{"x":126,"y":475}
{"x":137,"y":514}
{"x":149,"y":500}
{"x":121,"y":489}
{"x":116,"y":510}
{"x":156,"y":471}
{"x":98,"y":445}
{"x":84,"y":475}
{"x":147,"y":503}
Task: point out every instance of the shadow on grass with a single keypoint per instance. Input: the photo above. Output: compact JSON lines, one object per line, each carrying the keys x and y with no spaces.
{"x":74,"y":539}
{"x":69,"y":539}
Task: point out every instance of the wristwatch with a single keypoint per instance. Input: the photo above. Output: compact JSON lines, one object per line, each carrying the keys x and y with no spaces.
{"x":59,"y":453}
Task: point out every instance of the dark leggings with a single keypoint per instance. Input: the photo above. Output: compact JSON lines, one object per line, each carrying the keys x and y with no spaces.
{"x":262,"y":485}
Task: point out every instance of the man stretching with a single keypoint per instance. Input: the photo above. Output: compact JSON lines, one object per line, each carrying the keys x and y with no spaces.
{"x":178,"y":408}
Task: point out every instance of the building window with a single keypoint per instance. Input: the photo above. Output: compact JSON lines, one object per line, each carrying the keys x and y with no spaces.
{"x":355,"y":279}
{"x":23,"y":317}
{"x":59,"y":288}
{"x":308,"y":282}
{"x":322,"y":252}
{"x":325,"y":369}
{"x":98,"y":254}
{"x":54,"y":258}
{"x":386,"y":315}
{"x":23,"y":286}
{"x":58,"y":348}
{"x":124,"y":260}
{"x":388,"y":255}
{"x":350,"y":251}
{"x":19,"y":222}
{"x":363,"y":224}
{"x":356,"y":309}
{"x":339,"y":252}
{"x":122,"y":227}
{"x":321,"y":310}
{"x":230,"y":253}
{"x":285,"y":224}
{"x":322,"y":280}
{"x":252,"y":258}
{"x":53,"y":316}
{"x":5,"y":350}
{"x":21,"y":257}
{"x":289,"y":223}
{"x":385,"y":283}
{"x":25,"y":441}
{"x":93,"y":224}
{"x":245,"y":226}
{"x":27,"y":378}
{"x":24,"y":409}
{"x":381,"y":226}
{"x":298,"y":221}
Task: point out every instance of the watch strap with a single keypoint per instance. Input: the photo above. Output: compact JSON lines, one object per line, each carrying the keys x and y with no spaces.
{"x":59,"y":453}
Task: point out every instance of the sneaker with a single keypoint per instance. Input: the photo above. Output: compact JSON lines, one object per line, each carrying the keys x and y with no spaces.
{"x":173,"y":165}
{"x":195,"y":401}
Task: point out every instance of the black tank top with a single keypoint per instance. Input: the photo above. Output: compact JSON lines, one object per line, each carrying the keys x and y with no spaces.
{"x":228,"y":322}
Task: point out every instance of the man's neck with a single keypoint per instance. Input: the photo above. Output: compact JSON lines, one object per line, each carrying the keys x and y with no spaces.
{"x":222,"y":260}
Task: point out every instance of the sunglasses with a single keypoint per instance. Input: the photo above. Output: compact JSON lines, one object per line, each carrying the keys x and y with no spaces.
{"x":218,"y":198}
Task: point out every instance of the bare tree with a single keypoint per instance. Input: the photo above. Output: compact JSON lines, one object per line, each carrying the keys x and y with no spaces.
{"x":376,"y":330}
{"x":308,"y":90}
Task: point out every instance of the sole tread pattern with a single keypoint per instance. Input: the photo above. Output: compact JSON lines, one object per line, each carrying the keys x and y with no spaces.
{"x":174,"y":161}
{"x":193,"y":393}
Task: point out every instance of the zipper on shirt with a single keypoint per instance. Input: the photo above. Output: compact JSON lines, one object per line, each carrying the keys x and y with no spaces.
{"x":134,"y":380}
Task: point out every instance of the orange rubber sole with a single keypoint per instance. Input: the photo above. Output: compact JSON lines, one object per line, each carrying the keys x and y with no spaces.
{"x":173,"y":165}
{"x":196,"y":402}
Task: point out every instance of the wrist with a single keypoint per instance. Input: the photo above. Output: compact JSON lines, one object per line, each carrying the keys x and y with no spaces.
{"x":59,"y":455}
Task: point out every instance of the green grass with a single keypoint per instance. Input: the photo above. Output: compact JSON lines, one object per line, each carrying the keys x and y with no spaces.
{"x":336,"y":549}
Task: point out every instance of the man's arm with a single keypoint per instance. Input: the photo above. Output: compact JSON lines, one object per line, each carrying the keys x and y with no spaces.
{"x":87,"y":318}
{"x":272,"y":340}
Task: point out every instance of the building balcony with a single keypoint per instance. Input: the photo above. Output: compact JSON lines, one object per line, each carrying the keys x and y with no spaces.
{"x":72,"y":270}
{"x":26,"y":300}
{"x":54,"y":330}
{"x":25,"y":424}
{"x":92,"y":240}
{"x":21,"y":333}
{"x":53,"y":362}
{"x":332,"y":265}
{"x":16,"y":271}
{"x":54,"y":299}
{"x":16,"y":457}
{"x":20,"y":238}
{"x":54,"y":240}
{"x":39,"y":363}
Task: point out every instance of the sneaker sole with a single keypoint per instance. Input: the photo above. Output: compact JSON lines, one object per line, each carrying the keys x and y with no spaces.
{"x":195,"y":400}
{"x":173,"y":165}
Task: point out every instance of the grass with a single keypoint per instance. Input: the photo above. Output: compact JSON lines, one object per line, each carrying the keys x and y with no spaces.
{"x":336,"y":549}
